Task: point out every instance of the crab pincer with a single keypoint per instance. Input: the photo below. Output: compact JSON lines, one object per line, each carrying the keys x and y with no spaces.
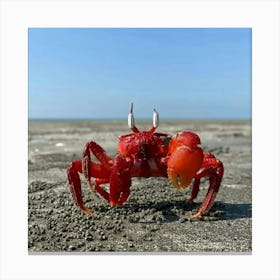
{"x":185,"y":159}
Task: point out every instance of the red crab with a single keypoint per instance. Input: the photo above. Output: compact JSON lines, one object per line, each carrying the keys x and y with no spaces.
{"x":147,"y":154}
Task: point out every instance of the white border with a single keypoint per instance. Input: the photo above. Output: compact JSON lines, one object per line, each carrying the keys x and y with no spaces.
{"x":17,"y":16}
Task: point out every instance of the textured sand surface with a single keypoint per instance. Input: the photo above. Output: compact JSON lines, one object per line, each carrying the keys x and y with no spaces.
{"x":155,"y":217}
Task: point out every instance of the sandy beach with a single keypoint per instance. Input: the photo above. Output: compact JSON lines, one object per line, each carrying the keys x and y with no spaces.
{"x":156,"y":217}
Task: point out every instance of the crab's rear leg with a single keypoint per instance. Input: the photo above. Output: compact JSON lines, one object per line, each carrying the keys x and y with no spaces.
{"x":75,"y":184}
{"x":214,"y":170}
{"x":100,"y":154}
{"x":96,"y":170}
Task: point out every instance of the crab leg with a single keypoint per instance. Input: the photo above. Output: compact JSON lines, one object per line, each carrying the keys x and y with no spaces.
{"x":120,"y":181}
{"x":100,"y":190}
{"x":212,"y":168}
{"x":100,"y":154}
{"x":195,"y":190}
{"x":75,"y":184}
{"x":122,"y":196}
{"x":95,"y":170}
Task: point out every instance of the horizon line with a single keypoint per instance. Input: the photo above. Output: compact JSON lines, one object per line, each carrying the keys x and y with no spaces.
{"x":138,"y":119}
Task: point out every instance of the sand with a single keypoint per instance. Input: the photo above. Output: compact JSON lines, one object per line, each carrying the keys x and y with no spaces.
{"x":156,"y":217}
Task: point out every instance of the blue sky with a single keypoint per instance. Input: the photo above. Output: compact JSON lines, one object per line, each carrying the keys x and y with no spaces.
{"x":187,"y":73}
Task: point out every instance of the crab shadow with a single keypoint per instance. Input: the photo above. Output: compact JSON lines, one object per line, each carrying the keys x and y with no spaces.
{"x":171,"y":211}
{"x":234,"y":211}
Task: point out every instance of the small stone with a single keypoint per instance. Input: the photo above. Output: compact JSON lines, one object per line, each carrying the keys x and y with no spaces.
{"x":183,"y":220}
{"x":130,"y":238}
{"x":154,"y":228}
{"x":103,"y":237}
{"x":88,"y":237}
{"x":91,"y":248}
{"x":149,"y":238}
{"x":59,"y":144}
{"x":72,"y":248}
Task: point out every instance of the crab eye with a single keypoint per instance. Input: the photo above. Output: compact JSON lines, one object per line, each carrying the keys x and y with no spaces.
{"x":155,"y":119}
{"x":130,"y":120}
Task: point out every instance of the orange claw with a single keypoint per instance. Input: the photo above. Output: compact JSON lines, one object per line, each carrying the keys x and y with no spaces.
{"x":185,"y":159}
{"x":184,"y":138}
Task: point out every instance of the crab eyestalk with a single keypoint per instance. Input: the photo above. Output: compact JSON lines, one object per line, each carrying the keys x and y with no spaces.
{"x":155,"y":121}
{"x":130,"y":120}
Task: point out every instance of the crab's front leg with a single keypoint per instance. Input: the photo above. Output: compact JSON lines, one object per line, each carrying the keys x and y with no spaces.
{"x":120,"y":181}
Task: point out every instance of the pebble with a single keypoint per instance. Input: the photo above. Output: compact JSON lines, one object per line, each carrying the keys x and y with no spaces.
{"x":91,"y":248}
{"x":59,"y":144}
{"x":103,"y":237}
{"x":88,"y":236}
{"x":154,"y":228}
{"x":183,"y":219}
{"x":134,"y":218}
{"x":72,"y":247}
{"x":130,"y":244}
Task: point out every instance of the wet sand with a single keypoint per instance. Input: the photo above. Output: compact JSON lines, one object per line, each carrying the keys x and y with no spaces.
{"x":156,"y":217}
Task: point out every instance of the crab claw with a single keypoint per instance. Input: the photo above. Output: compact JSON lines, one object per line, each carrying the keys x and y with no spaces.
{"x":185,"y":159}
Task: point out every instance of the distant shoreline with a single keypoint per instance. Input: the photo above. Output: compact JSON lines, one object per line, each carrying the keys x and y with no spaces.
{"x":138,"y":120}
